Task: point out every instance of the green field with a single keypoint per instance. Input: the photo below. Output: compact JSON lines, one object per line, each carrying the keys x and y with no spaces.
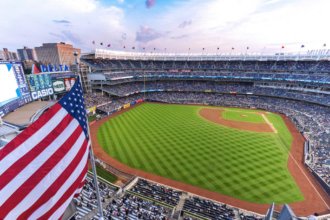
{"x":175,"y":142}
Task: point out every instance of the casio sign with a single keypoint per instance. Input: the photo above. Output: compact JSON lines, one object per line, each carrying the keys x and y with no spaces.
{"x":42,"y":93}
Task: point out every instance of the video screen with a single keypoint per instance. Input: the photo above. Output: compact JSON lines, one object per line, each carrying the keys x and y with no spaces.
{"x":9,"y":89}
{"x":14,"y":90}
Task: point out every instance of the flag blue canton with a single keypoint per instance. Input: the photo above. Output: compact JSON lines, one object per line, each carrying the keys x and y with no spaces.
{"x":73,"y":103}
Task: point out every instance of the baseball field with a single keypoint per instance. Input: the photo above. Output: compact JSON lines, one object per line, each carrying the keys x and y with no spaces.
{"x":241,"y":153}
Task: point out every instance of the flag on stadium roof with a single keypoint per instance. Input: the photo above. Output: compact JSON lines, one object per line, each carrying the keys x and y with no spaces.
{"x":124,"y":47}
{"x":233,"y":48}
{"x":45,"y":166}
{"x":133,"y":48}
{"x":247,"y":48}
{"x":93,"y":42}
{"x":282,"y":46}
{"x":302,"y":46}
{"x":109,"y":45}
{"x":35,"y":69}
{"x":218,"y":48}
{"x":101,"y":43}
{"x":324,"y":45}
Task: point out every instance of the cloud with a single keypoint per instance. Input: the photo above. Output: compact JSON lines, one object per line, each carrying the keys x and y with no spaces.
{"x":150,"y":3}
{"x":180,"y":36}
{"x":146,"y":34}
{"x":120,"y":1}
{"x":67,"y":36}
{"x":185,"y":24}
{"x":124,"y":36}
{"x":61,"y":21}
{"x":176,"y":25}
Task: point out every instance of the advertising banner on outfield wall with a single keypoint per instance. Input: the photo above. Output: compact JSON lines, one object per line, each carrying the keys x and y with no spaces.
{"x":58,"y":86}
{"x":91,"y":110}
{"x":40,"y":85}
{"x":69,"y":82}
{"x":127,"y":105}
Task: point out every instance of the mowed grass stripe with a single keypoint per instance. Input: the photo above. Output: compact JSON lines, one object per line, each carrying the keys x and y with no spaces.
{"x":173,"y":141}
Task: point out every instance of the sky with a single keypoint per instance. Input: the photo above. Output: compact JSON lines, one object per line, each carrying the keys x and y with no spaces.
{"x":233,"y":26}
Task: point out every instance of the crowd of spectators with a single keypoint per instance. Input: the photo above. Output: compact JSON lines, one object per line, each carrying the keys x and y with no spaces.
{"x":227,"y":65}
{"x":95,"y":99}
{"x":297,"y":93}
{"x":134,"y":207}
{"x":208,"y":209}
{"x":129,"y":76}
{"x":157,"y":192}
{"x":87,"y":201}
{"x":139,"y":203}
{"x":213,"y":210}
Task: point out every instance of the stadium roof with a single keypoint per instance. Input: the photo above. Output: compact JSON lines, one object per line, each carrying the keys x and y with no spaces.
{"x":123,"y":55}
{"x":28,"y":113}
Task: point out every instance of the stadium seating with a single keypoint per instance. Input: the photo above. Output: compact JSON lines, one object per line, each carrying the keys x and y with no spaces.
{"x":296,"y":88}
{"x":157,"y":192}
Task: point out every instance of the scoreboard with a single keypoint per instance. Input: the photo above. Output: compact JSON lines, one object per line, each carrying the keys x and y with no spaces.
{"x":14,"y":90}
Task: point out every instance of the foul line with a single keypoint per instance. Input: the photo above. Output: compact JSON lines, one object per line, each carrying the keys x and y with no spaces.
{"x":326,"y":204}
{"x":269,"y":123}
{"x":303,"y":172}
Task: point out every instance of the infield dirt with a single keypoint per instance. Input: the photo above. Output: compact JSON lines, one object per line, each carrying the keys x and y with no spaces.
{"x":214,"y":115}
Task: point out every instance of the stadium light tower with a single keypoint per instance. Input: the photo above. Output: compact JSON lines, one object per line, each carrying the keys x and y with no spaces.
{"x":75,"y":54}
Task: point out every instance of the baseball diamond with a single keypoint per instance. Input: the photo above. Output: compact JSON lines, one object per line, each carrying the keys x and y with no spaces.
{"x":183,"y":143}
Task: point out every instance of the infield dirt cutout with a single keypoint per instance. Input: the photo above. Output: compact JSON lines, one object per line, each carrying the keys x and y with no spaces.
{"x":214,"y":115}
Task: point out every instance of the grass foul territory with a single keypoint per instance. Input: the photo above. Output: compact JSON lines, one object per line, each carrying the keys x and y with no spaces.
{"x":174,"y":141}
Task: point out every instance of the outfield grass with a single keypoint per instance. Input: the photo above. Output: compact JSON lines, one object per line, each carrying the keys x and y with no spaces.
{"x":175,"y":142}
{"x":238,"y":115}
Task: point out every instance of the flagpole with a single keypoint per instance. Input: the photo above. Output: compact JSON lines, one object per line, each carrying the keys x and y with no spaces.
{"x":92,"y":161}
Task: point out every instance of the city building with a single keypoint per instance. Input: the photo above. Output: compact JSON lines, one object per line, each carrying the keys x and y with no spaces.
{"x":57,"y":53}
{"x":9,"y":55}
{"x":26,"y":54}
{"x":2,"y":55}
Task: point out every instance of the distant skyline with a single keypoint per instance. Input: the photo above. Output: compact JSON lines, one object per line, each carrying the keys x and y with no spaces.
{"x":254,"y":26}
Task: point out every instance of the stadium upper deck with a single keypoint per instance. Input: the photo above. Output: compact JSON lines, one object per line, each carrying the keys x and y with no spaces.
{"x":121,"y":64}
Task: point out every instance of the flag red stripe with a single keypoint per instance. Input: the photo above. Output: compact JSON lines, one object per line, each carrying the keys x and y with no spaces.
{"x":20,"y":164}
{"x":32,"y":129}
{"x":57,"y":184}
{"x":80,"y":186}
{"x":69,"y":192}
{"x":39,"y":174}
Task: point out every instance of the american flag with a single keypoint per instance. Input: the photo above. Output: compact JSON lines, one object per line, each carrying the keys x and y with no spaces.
{"x":45,"y":166}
